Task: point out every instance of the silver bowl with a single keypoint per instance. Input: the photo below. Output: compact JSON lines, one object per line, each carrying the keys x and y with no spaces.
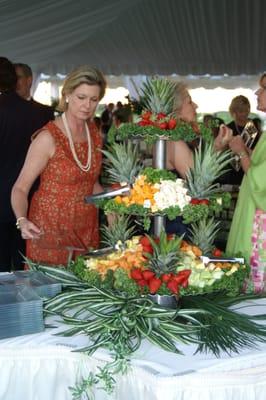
{"x":164,"y":300}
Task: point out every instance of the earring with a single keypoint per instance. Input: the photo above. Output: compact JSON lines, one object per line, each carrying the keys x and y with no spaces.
{"x":67,"y":100}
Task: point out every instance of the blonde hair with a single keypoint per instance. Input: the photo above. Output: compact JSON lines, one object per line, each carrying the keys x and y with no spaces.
{"x":179,"y":95}
{"x":83,"y":74}
{"x":239,"y":103}
{"x":261,"y":78}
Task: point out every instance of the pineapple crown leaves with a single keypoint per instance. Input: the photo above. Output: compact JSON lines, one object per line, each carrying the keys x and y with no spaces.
{"x":120,"y":230}
{"x":158,"y":95}
{"x":203,"y":234}
{"x":165,"y":253}
{"x":209,"y":165}
{"x":122,"y":162}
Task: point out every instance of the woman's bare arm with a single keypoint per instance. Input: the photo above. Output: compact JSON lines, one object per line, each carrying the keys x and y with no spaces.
{"x":40,"y":151}
{"x":179,"y":157}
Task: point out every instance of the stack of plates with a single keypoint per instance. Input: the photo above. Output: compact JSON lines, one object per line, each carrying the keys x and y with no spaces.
{"x":21,"y":311}
{"x":43,"y":285}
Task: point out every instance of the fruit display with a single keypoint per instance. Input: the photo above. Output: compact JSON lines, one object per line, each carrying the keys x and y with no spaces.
{"x":166,"y":265}
{"x":116,"y":298}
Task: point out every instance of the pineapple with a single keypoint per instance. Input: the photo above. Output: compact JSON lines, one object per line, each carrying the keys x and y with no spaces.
{"x":123,"y":163}
{"x":208,"y":166}
{"x":203,"y":234}
{"x":158,"y":95}
{"x":119,"y":232}
{"x":166,"y":254}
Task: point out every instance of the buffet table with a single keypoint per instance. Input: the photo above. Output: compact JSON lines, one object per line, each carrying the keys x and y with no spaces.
{"x":42,"y":366}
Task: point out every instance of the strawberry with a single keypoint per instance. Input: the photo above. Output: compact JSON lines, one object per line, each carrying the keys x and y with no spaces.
{"x":142,"y":282}
{"x":194,"y":201}
{"x":185,"y":283}
{"x":184,"y":273}
{"x":204,"y":201}
{"x":146,"y":115}
{"x":217,"y":252}
{"x":162,"y":125}
{"x":144,"y":241}
{"x":143,"y":123}
{"x":154,"y":285}
{"x":173,"y":286}
{"x":147,"y":249}
{"x":161,"y":115}
{"x":166,"y":277}
{"x":147,"y":274}
{"x":136,"y":274}
{"x":171,"y":123}
{"x":182,"y":277}
{"x":146,"y":245}
{"x":178,"y":279}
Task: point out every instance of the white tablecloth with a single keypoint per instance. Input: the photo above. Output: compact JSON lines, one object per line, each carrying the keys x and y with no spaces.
{"x":42,"y":367}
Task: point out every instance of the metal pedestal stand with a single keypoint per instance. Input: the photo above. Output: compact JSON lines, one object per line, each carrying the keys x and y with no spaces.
{"x":160,"y":163}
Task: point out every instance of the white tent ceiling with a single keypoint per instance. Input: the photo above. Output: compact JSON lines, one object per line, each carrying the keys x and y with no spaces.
{"x":136,"y":36}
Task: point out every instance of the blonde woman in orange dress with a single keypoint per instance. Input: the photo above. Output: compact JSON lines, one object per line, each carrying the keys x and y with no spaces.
{"x":66,"y":155}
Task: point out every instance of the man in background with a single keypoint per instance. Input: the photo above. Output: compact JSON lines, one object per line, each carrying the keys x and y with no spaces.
{"x":23,"y":88}
{"x":107,"y":118}
{"x":19,"y":119}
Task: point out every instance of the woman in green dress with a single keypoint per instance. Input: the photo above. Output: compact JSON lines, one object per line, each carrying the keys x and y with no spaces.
{"x":248,"y":230}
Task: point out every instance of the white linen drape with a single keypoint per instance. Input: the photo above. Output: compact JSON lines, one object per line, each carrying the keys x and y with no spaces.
{"x":42,"y":367}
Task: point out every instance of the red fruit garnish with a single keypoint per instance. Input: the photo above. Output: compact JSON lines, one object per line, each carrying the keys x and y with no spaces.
{"x":136,"y":274}
{"x":147,"y":274}
{"x":144,"y":241}
{"x":217,"y":252}
{"x":142,"y":283}
{"x":146,"y":115}
{"x":185,"y":273}
{"x":173,"y":286}
{"x":166,"y":277}
{"x":162,"y":125}
{"x":161,"y":116}
{"x":194,"y":201}
{"x":178,"y":279}
{"x":185,"y":283}
{"x":144,"y":123}
{"x":171,"y":123}
{"x":154,"y":285}
{"x":147,"y":249}
{"x":204,"y":201}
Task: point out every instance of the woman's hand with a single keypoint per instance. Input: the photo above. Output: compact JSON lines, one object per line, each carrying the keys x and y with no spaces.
{"x":237,"y":145}
{"x":29,"y":230}
{"x":223,"y":138}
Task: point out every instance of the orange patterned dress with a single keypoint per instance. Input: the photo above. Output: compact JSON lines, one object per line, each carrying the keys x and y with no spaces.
{"x":58,"y":207}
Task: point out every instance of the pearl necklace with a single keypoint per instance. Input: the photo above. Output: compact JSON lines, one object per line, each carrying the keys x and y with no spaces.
{"x":87,"y":166}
